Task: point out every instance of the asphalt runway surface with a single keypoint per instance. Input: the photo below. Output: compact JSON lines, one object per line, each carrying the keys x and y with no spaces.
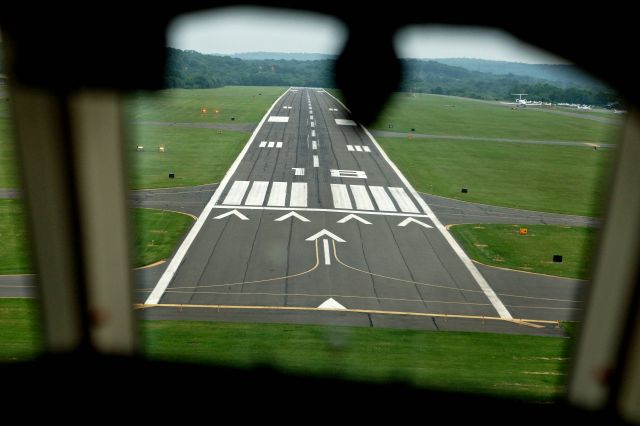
{"x":313,"y":224}
{"x":313,"y":220}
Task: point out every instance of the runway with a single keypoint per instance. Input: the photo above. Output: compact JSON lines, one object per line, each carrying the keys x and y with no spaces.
{"x":314,"y":220}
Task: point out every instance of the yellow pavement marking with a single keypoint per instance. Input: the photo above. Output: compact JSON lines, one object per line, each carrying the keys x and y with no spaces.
{"x":335,"y":254}
{"x":313,"y":268}
{"x":525,"y":322}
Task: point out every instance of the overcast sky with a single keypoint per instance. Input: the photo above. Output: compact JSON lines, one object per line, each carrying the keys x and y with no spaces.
{"x":251,"y":29}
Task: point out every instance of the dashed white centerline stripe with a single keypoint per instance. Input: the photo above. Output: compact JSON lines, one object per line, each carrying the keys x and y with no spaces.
{"x":278,"y":194}
{"x":316,"y":162}
{"x":257,"y":193}
{"x":298,"y":194}
{"x":314,"y":145}
{"x":236,"y":193}
{"x":340,"y":196}
{"x":325,"y":246}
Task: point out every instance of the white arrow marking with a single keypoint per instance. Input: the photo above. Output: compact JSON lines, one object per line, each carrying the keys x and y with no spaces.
{"x":291,"y":214}
{"x":323,"y":233}
{"x":331,"y":304}
{"x":353,"y":216}
{"x":410,"y":219}
{"x":235,"y":212}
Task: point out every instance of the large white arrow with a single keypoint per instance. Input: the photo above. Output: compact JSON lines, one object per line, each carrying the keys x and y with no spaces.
{"x":234,"y":212}
{"x":353,"y":216}
{"x":291,"y":214}
{"x":410,"y":219}
{"x":324,"y":232}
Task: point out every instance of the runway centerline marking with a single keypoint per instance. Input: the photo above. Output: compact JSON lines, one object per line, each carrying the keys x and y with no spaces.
{"x":327,"y":256}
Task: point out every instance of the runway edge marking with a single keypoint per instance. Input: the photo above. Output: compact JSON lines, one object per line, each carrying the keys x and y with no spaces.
{"x":503,"y":312}
{"x":176,"y":261}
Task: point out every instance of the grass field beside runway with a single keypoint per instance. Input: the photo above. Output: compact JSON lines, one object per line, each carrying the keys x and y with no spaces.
{"x":196,"y":156}
{"x":157,"y":233}
{"x":523,"y":367}
{"x":8,"y":161}
{"x":503,"y":246}
{"x":443,"y":115}
{"x":246,"y":104}
{"x":559,"y":179}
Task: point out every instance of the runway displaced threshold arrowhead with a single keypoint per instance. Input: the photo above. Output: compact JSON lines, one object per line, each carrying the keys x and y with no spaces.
{"x":410,"y":219}
{"x":331,"y":304}
{"x":291,"y":214}
{"x":232,"y":212}
{"x":353,"y":216}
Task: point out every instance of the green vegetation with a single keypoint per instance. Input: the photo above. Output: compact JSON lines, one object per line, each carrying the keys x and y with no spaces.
{"x":196,"y":156}
{"x":441,"y":115}
{"x":8,"y":166}
{"x":157,"y":233}
{"x":507,"y":365}
{"x":19,"y":333}
{"x":245,"y":104}
{"x":560,"y":179}
{"x":14,"y":251}
{"x":503,"y":246}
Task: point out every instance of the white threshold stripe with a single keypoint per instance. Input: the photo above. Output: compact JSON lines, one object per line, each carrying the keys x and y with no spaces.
{"x":384,"y":202}
{"x":172,"y":268}
{"x":403,"y":200}
{"x":278,"y":144}
{"x":278,"y":194}
{"x":358,"y":148}
{"x":325,"y":247}
{"x":298,"y":194}
{"x":366,"y":149}
{"x":271,"y":144}
{"x":313,"y":209}
{"x":349,"y":147}
{"x":503,"y":312}
{"x":263,"y":144}
{"x":316,"y":161}
{"x":236,"y":193}
{"x":340,"y":196}
{"x":361,"y":197}
{"x":257,"y":193}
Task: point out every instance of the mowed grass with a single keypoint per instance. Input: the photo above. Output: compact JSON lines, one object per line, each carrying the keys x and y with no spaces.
{"x":20,"y":337}
{"x":8,"y":161}
{"x":443,"y":115}
{"x":503,"y":246}
{"x":196,"y":156}
{"x":246,"y":104}
{"x":157,"y":233}
{"x":559,"y":179}
{"x":516,"y":366}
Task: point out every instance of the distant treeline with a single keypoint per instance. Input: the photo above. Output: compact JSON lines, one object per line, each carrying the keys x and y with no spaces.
{"x":189,"y":69}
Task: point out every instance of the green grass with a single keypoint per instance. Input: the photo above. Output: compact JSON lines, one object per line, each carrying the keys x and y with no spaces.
{"x":8,"y":166}
{"x":157,"y":234}
{"x":560,"y":179}
{"x":196,"y":156}
{"x":523,"y":367}
{"x":503,"y":246}
{"x":507,"y":365}
{"x":247,"y":104}
{"x":14,"y":250}
{"x":442,"y":115}
{"x":19,"y":332}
